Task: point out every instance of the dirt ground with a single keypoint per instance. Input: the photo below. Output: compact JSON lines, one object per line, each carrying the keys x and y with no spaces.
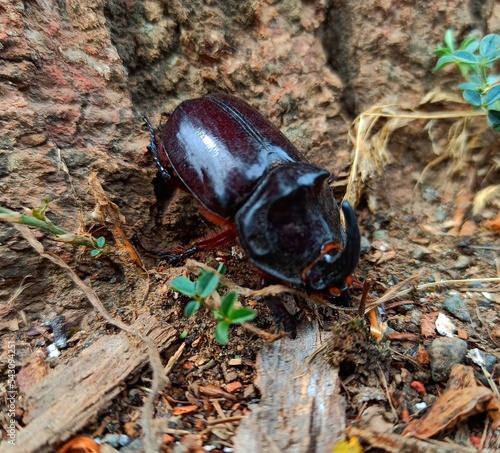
{"x":77,"y":79}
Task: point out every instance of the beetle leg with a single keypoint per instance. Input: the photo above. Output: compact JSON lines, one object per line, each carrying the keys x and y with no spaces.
{"x":278,"y":310}
{"x":154,"y":150}
{"x":209,"y":243}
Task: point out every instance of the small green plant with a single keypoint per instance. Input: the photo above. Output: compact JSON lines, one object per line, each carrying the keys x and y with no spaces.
{"x":37,"y":218}
{"x":203,"y":289}
{"x":475,"y":58}
{"x":100,"y":245}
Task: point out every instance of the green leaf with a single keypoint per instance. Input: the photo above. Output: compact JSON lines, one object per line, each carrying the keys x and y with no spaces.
{"x":449,"y":39}
{"x":241,"y":315}
{"x":183,"y":334}
{"x":440,"y":51}
{"x":473,"y":98}
{"x":100,"y":242}
{"x":489,"y":44}
{"x":470,"y":44}
{"x":183,"y":285}
{"x":38,"y":214}
{"x":191,"y":308}
{"x":492,"y":95}
{"x":493,"y":57}
{"x":494,"y":119}
{"x":222,"y":332}
{"x":227,"y":303}
{"x":469,"y":86}
{"x":95,"y":252}
{"x":443,"y":61}
{"x":207,"y":284}
{"x":222,"y":269}
{"x":464,"y":57}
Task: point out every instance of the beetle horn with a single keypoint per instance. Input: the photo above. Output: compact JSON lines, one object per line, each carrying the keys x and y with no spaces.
{"x":350,"y":255}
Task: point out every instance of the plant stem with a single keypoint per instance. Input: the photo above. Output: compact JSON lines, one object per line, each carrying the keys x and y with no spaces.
{"x":6,"y":215}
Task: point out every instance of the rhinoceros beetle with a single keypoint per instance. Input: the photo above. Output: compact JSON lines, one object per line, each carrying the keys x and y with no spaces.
{"x":249,"y":177}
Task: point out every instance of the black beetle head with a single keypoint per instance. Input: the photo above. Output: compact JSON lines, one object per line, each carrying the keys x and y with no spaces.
{"x":335,"y":263}
{"x":290,"y":228}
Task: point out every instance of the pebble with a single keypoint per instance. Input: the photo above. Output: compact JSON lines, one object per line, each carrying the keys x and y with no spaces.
{"x":482,"y":359}
{"x":455,"y":304}
{"x":133,"y":447}
{"x":110,"y":438}
{"x":52,"y":351}
{"x":462,"y":262}
{"x":420,"y":253}
{"x":380,"y":235}
{"x":446,"y":352}
{"x":365,"y":246}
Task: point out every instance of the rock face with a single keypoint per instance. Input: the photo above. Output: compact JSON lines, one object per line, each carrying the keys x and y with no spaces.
{"x":76,"y":77}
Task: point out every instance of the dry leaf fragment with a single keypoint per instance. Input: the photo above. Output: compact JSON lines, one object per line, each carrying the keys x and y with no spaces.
{"x":233,"y":386}
{"x":449,"y":409}
{"x":216,"y":392}
{"x":493,"y":224}
{"x":427,"y":324}
{"x":181,"y":410}
{"x":80,"y":444}
{"x":11,"y":326}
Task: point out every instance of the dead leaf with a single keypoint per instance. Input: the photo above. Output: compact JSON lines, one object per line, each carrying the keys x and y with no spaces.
{"x":5,"y":309}
{"x":387,"y":256}
{"x":181,"y":410}
{"x":428,"y":324}
{"x":11,"y":326}
{"x":461,"y":377}
{"x":449,"y":409}
{"x":468,"y":229}
{"x":81,"y":444}
{"x":493,"y":224}
{"x":423,"y":356}
{"x":33,"y":370}
{"x":216,"y":392}
{"x":233,"y":386}
{"x":493,"y":409}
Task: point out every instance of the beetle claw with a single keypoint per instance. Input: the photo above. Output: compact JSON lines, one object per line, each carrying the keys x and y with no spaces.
{"x":281,"y":315}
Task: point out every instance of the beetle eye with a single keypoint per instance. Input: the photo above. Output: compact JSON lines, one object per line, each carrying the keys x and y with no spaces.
{"x":331,"y":256}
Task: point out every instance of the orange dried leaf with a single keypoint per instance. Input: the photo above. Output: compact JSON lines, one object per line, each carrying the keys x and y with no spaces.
{"x":427,"y":325}
{"x":233,"y":386}
{"x":493,"y":224}
{"x":80,"y":444}
{"x":493,"y":409}
{"x":449,"y":409}
{"x":468,"y":229}
{"x":423,"y":356}
{"x":216,"y":392}
{"x":181,"y":410}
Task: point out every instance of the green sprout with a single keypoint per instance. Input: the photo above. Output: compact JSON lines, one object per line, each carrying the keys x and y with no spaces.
{"x":204,"y":288}
{"x":37,"y":218}
{"x":100,"y":245}
{"x":475,"y":59}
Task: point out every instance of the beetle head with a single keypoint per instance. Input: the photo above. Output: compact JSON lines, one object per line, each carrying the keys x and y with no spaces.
{"x":290,"y":228}
{"x":335,"y":263}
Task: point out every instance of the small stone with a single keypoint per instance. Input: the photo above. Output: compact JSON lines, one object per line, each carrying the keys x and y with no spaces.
{"x":52,"y":351}
{"x":380,"y":235}
{"x":445,"y":326}
{"x":446,"y":352}
{"x":365,"y":246}
{"x":482,"y":359}
{"x":133,"y":447}
{"x":111,"y":439}
{"x":462,"y":262}
{"x":420,"y":253}
{"x":235,"y":362}
{"x":455,"y":304}
{"x":124,"y":440}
